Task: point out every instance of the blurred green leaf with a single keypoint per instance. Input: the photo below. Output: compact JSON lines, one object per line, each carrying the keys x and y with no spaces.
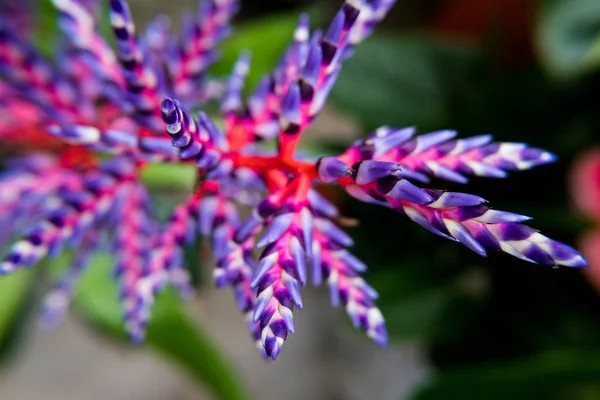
{"x":193,"y":260}
{"x":568,"y":36}
{"x":171,"y":332}
{"x":14,"y":292}
{"x":416,"y":317}
{"x":553,"y":375}
{"x":266,"y":39}
{"x":166,"y":200}
{"x":46,"y":28}
{"x":161,"y":176}
{"x":401,"y":81}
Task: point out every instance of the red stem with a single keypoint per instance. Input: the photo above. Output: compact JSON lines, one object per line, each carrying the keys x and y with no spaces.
{"x":264,"y":164}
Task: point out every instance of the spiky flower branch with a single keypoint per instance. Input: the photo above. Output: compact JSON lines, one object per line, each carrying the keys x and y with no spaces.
{"x":97,"y":101}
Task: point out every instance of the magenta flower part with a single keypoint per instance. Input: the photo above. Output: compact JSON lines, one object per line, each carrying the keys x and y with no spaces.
{"x":109,"y":114}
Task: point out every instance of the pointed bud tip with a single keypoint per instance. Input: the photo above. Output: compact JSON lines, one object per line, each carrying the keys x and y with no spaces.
{"x":167,"y":107}
{"x":330,"y":169}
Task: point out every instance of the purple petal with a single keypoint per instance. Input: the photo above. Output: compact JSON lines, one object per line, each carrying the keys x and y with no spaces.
{"x":294,"y":292}
{"x":264,"y":266}
{"x":427,"y":141}
{"x":276,"y":229}
{"x":454,"y":199}
{"x":315,"y":261}
{"x":386,"y":139}
{"x":464,"y":236}
{"x":246,"y":229}
{"x":299,"y":257}
{"x":354,"y":263}
{"x":369,"y":171}
{"x":511,"y":231}
{"x":322,"y":205}
{"x":290,"y":108}
{"x":312,"y":68}
{"x":334,"y":32}
{"x":334,"y":232}
{"x":330,"y":169}
{"x":259,"y":308}
{"x":404,"y":190}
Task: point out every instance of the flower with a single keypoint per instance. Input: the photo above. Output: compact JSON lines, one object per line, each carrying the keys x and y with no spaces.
{"x":585,"y":192}
{"x":119,"y":112}
{"x":585,"y":183}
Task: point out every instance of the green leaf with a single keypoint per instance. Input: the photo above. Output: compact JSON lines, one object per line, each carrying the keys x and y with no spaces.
{"x":401,"y":81}
{"x":171,"y":331}
{"x":193,"y":258}
{"x":416,"y":317}
{"x":266,"y":39}
{"x":167,"y":176}
{"x":14,"y":292}
{"x":547,"y":376}
{"x":568,"y":37}
{"x":46,"y":28}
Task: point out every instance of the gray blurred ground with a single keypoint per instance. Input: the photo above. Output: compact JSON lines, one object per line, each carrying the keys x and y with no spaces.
{"x":325,"y":360}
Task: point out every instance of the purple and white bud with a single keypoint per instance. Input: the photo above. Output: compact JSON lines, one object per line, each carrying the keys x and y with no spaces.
{"x":330,"y":169}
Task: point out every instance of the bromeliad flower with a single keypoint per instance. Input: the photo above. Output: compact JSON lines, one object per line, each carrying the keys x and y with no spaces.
{"x":291,"y":229}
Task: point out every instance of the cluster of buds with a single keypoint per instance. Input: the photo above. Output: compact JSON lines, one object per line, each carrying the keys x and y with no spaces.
{"x":134,"y":106}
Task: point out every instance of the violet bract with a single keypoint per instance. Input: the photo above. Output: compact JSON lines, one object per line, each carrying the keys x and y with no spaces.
{"x":133,"y":105}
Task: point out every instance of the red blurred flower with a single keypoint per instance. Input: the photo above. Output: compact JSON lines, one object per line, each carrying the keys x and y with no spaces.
{"x":585,"y":192}
{"x":589,"y":244}
{"x":585,"y":184}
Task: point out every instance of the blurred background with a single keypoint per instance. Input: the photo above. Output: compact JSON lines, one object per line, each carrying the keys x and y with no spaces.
{"x":462,"y":327}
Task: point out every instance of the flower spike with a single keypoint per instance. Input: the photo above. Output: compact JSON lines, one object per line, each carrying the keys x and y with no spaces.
{"x":197,"y":50}
{"x":458,"y":216}
{"x":282,"y":265}
{"x":341,"y":269}
{"x":437,"y":155}
{"x":141,"y":80}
